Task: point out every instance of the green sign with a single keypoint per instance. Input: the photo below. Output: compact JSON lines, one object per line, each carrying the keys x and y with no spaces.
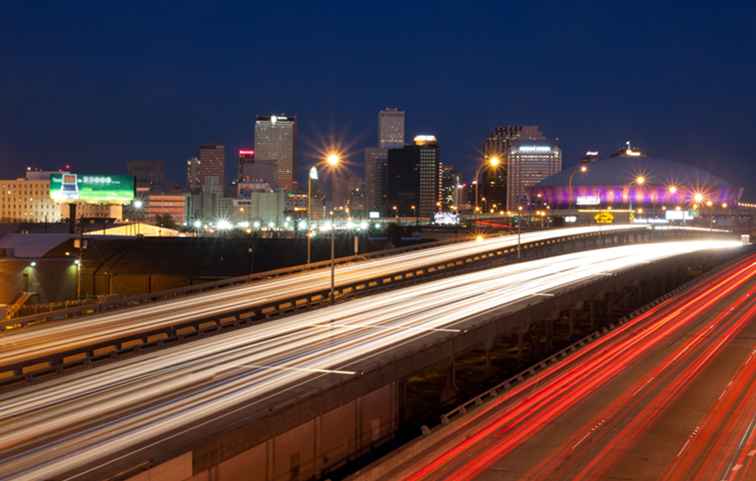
{"x":67,"y":187}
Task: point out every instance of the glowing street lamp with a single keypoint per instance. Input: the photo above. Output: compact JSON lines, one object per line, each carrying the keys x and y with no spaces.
{"x":491,"y":162}
{"x":333,"y":160}
{"x":582,"y":168}
{"x":638,"y":180}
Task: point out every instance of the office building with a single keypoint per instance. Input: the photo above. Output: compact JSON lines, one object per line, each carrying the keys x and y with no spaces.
{"x":148,"y":174}
{"x":376,"y":159}
{"x":413,"y":178}
{"x":450,"y":180}
{"x":212,"y":159}
{"x":160,"y":205}
{"x":391,"y":128}
{"x":246,"y":158}
{"x":530,"y":161}
{"x":275,"y":141}
{"x":207,"y":169}
{"x":28,"y":199}
{"x":193,"y":181}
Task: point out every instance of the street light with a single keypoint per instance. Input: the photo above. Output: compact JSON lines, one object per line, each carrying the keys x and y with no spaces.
{"x":638,"y":180}
{"x":333,"y":160}
{"x":582,"y":168}
{"x":492,"y":162}
{"x":519,"y":229}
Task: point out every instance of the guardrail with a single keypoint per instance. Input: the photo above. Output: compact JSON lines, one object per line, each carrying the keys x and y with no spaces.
{"x":119,"y":302}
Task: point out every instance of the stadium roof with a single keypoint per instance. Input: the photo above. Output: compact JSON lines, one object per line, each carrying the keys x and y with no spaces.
{"x":621,"y":170}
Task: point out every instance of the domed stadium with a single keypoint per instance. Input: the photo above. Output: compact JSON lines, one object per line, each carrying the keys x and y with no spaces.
{"x":632,"y":180}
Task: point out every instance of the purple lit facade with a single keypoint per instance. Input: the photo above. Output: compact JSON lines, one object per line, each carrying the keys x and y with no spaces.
{"x":558,"y":197}
{"x":610,"y":182}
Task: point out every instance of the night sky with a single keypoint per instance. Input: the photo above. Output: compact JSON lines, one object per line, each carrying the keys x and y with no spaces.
{"x":95,"y":84}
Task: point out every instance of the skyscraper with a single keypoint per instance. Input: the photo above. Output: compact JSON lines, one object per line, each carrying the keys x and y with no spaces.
{"x":193,"y":181}
{"x":275,"y":140}
{"x":413,"y":178}
{"x":391,"y":128}
{"x":375,"y":178}
{"x":501,"y":138}
{"x":530,"y":161}
{"x":450,"y":179}
{"x":211,"y":166}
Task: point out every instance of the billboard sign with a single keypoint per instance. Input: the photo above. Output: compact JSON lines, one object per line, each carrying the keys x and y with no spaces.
{"x":68,"y":187}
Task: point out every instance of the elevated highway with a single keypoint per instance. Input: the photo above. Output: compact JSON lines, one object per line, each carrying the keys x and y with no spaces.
{"x":267,"y":379}
{"x":669,"y":394}
{"x":49,"y":345}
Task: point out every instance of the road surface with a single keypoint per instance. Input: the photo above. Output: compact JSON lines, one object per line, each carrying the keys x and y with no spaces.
{"x":63,"y":425}
{"x":36,"y":342}
{"x":671,"y":395}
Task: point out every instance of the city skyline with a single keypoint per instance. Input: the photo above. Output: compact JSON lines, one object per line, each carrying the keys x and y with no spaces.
{"x":612,"y":92}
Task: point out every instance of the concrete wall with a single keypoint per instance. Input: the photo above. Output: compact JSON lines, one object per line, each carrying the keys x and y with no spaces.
{"x":309,"y":449}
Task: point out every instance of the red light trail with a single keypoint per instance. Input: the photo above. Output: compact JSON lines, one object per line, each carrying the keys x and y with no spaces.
{"x":537,"y":402}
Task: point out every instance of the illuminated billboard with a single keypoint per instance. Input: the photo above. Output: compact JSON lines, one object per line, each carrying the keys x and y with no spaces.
{"x":68,"y":187}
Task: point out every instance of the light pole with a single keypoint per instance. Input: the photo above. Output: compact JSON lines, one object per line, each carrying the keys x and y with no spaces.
{"x":492,"y":162}
{"x":582,"y":169}
{"x":519,"y":230}
{"x":638,"y":180}
{"x":333,"y":257}
{"x":333,"y":161}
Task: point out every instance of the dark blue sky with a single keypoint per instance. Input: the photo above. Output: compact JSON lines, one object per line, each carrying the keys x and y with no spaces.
{"x":97,"y":83}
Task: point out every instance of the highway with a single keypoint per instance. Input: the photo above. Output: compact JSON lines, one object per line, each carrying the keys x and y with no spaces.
{"x":670,"y":394}
{"x":69,"y":424}
{"x":46,"y":339}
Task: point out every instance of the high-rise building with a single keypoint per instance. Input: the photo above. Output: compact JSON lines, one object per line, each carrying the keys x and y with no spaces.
{"x":391,"y":128}
{"x":530,"y":161}
{"x":254,"y":175}
{"x":450,"y":180}
{"x":207,"y":170}
{"x":193,"y":181}
{"x":212,"y":163}
{"x":376,"y":159}
{"x":501,"y":138}
{"x":342,"y":184}
{"x":246,"y":158}
{"x":149,"y":174}
{"x":413,"y":178}
{"x":275,"y":140}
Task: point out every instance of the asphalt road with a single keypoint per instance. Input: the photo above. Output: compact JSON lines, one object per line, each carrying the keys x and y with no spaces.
{"x":668,"y":395}
{"x":36,"y":342}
